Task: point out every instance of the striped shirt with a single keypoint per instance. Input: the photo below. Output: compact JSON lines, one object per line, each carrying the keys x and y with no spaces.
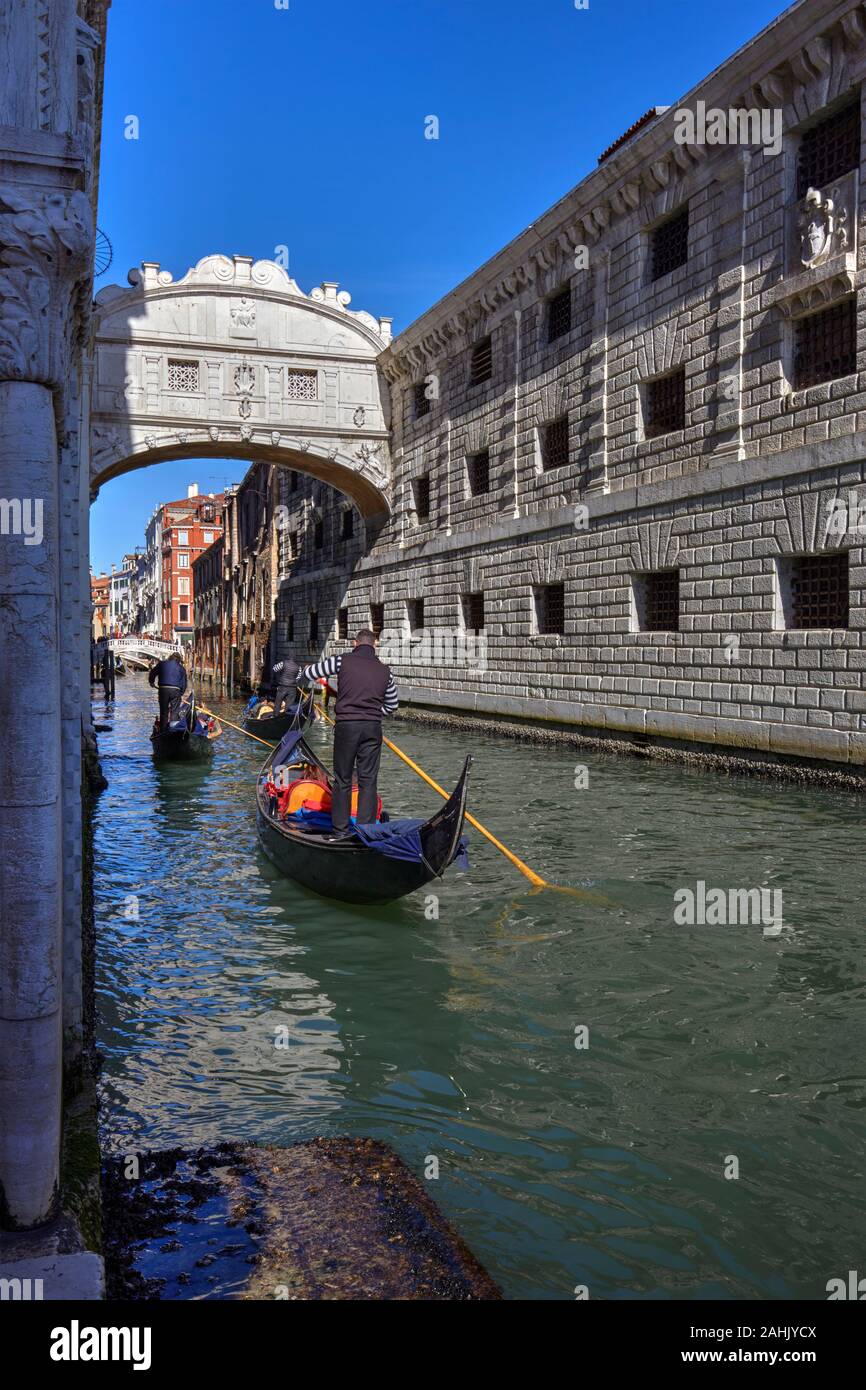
{"x":331,"y":667}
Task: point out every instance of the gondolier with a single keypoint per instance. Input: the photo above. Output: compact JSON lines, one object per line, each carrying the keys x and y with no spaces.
{"x":367,"y":692}
{"x":283,"y":682}
{"x":169,"y":676}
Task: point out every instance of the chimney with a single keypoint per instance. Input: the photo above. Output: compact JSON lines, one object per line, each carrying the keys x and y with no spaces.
{"x":192,"y":490}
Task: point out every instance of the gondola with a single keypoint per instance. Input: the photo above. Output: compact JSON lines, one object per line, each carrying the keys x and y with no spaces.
{"x":190,"y":736}
{"x":272,"y":728}
{"x":350,"y":869}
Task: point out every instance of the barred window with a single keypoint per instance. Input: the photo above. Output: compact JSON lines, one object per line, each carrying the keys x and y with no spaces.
{"x":347,"y":524}
{"x":670,"y":243}
{"x":313,"y":625}
{"x":659,"y":601}
{"x":825,"y":344}
{"x":819,"y":590}
{"x":554,"y":446}
{"x":829,"y":150}
{"x":294,"y":481}
{"x":421,"y":490}
{"x":342,"y":623}
{"x":319,"y":535}
{"x":422,"y":400}
{"x":665,"y":405}
{"x":481,"y":362}
{"x":301,"y":386}
{"x":550,"y":608}
{"x":479,"y":472}
{"x":415,"y":613}
{"x":290,"y":628}
{"x":559,"y":315}
{"x":473,"y":612}
{"x":377,"y":618}
{"x":182,"y":374}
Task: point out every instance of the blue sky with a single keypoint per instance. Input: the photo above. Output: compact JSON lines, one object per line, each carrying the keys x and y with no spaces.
{"x":263,"y":126}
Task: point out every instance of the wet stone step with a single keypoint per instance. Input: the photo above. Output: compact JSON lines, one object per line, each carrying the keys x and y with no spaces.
{"x":325,"y":1219}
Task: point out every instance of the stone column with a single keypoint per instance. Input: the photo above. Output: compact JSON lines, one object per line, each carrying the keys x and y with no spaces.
{"x":30,"y":778}
{"x":46,"y":243}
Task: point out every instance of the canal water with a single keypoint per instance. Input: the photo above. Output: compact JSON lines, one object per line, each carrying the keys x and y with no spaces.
{"x":613,"y":1099}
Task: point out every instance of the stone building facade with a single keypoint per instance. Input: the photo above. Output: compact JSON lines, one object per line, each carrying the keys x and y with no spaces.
{"x":235,"y":583}
{"x":629,"y":449}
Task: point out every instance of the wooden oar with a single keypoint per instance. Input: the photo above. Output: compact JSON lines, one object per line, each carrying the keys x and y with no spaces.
{"x":222,"y":719}
{"x":533,"y":877}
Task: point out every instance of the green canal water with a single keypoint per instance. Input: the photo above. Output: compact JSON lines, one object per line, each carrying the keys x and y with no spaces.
{"x":454,"y":1038}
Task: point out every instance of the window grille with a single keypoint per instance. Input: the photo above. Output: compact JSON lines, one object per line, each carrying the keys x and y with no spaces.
{"x":559,"y":315}
{"x":313,"y":625}
{"x":473,"y":612}
{"x":825,"y":344}
{"x":829,"y":150}
{"x":377,"y":618}
{"x":301,"y":386}
{"x":422,"y":497}
{"x":665,"y":405}
{"x":554,"y":452}
{"x":479,"y":473}
{"x":670,"y":243}
{"x":422,"y":400}
{"x":662,"y":601}
{"x":550,"y":608}
{"x":819,"y":590}
{"x":182,"y":375}
{"x":342,"y":623}
{"x":347,"y":524}
{"x":415,"y":608}
{"x":481,"y":362}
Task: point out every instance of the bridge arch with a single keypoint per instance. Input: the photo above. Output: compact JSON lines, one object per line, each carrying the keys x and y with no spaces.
{"x":235,"y":361}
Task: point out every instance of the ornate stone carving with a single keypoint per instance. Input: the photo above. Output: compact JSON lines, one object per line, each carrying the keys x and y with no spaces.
{"x":243,"y":315}
{"x":275,"y":437}
{"x":246,"y":432}
{"x":245,"y":380}
{"x":213,"y":431}
{"x":823,"y":227}
{"x":359,"y":416}
{"x":46,"y":245}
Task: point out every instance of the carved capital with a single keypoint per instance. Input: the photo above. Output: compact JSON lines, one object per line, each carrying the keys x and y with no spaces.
{"x":46,"y":252}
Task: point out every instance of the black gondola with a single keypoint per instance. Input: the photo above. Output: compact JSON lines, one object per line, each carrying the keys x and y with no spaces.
{"x":181,"y":742}
{"x":348,"y":869}
{"x":272,"y":728}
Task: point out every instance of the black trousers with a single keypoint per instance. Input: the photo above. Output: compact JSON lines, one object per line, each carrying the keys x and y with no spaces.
{"x":169,"y":704}
{"x":357,"y":743}
{"x":285,"y":695}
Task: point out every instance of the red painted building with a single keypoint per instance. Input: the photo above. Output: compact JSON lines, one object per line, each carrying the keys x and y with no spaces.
{"x":188,"y":528}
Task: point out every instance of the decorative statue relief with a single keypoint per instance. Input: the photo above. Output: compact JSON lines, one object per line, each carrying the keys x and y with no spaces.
{"x":822,"y":227}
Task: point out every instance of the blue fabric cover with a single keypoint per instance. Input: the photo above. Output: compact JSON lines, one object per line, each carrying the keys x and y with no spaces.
{"x":399,"y":839}
{"x":287,"y":747}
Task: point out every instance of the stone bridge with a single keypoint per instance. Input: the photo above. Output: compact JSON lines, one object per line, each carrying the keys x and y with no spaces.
{"x":235,"y":361}
{"x":145,"y":648}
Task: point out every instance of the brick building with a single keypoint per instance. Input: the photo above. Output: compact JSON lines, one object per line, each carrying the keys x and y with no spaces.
{"x":629,"y":449}
{"x":100,"y":589}
{"x":185,"y":529}
{"x":235,"y":582}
